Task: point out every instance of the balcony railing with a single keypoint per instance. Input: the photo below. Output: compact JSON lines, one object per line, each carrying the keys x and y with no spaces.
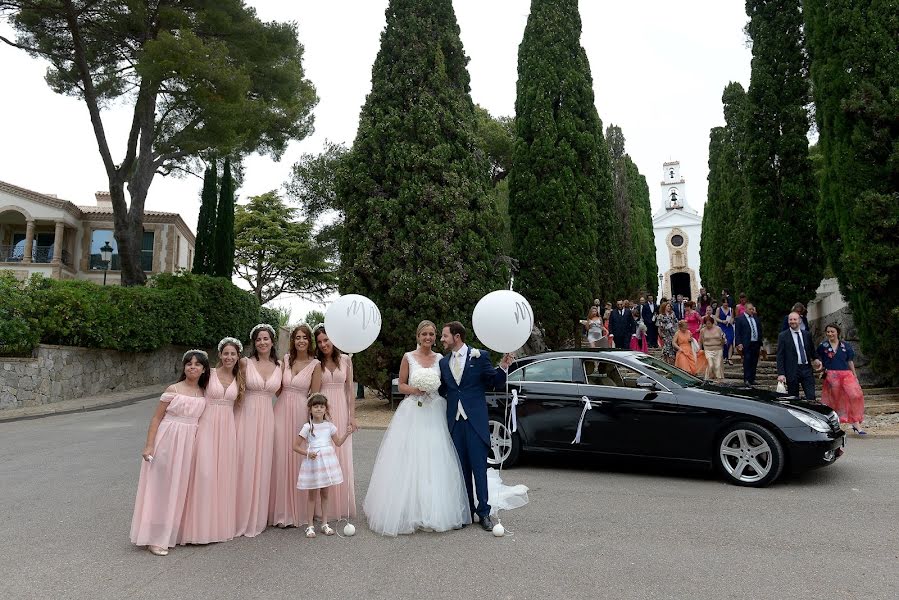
{"x":39,"y":254}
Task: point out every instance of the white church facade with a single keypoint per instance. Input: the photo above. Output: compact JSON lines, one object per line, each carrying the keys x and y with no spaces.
{"x":677,"y":228}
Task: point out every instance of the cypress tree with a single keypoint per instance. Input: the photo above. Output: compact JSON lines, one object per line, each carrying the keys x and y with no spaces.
{"x":205,"y":241}
{"x":784,"y":255}
{"x":641,"y":209}
{"x":560,"y":187}
{"x":854,"y":68}
{"x":422,"y":232}
{"x":712,"y":245}
{"x":223,"y":257}
{"x":623,"y":262}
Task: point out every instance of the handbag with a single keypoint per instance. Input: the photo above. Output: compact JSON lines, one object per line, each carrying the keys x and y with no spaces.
{"x":781,"y":388}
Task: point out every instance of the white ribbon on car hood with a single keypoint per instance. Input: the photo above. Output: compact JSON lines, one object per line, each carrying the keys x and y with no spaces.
{"x":580,"y":423}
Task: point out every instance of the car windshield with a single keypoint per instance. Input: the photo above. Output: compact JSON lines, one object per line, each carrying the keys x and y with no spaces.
{"x":663,"y":369}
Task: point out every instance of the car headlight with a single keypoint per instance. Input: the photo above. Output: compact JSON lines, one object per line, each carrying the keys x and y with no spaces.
{"x":813,"y":422}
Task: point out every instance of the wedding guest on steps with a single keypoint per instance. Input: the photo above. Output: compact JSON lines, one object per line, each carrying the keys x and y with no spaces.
{"x":337,"y":385}
{"x":301,"y":376}
{"x":255,"y":421}
{"x":667,"y":324}
{"x":712,"y":341}
{"x":168,"y":458}
{"x":212,"y":498}
{"x":841,"y":390}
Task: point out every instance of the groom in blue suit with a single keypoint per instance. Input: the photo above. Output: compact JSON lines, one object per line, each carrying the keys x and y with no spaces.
{"x":466,"y":374}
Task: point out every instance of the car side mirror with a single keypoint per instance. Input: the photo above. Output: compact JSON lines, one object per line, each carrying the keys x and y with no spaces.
{"x":647,"y":383}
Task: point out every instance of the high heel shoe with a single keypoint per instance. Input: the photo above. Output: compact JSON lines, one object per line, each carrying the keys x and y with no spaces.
{"x":157,"y":551}
{"x":859,"y":431}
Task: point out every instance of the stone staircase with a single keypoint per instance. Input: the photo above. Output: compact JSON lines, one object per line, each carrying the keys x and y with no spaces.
{"x":878,"y":400}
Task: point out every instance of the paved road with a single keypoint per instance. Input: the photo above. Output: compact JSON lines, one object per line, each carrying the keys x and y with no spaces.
{"x":67,"y":487}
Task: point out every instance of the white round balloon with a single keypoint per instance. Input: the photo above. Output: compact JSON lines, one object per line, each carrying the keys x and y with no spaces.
{"x":349,"y":530}
{"x":503,"y":320}
{"x":353,"y":323}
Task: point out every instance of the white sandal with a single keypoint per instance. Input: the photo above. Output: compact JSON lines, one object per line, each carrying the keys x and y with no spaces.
{"x":327,"y":529}
{"x":158,"y":550}
{"x":310,"y":531}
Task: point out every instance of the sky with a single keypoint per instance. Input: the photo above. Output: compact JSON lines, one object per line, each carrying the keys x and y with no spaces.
{"x":659,"y":69}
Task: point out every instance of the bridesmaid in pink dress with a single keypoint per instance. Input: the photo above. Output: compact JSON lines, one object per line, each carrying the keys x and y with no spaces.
{"x":301,"y":374}
{"x":168,"y":457}
{"x":693,"y":319}
{"x":212,"y":495}
{"x":255,"y":422}
{"x":337,"y":385}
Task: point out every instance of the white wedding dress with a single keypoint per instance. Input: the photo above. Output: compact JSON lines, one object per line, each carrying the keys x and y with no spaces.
{"x":417,"y":481}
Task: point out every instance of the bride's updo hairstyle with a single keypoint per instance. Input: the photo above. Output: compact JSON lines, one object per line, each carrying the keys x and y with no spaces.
{"x":422,"y":325}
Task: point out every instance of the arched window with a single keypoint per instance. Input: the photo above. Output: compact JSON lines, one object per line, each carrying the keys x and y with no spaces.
{"x":671,"y":174}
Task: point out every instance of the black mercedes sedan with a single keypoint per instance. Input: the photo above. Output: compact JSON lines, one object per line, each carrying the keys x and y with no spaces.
{"x":624,"y":403}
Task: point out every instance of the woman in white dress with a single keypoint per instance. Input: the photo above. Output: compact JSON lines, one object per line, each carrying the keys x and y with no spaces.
{"x":417,"y":479}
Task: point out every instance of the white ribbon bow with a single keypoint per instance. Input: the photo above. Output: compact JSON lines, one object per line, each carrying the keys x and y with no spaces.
{"x":580,"y":423}
{"x":514,"y":410}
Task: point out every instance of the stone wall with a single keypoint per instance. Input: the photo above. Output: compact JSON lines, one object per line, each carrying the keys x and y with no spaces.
{"x":65,"y":373}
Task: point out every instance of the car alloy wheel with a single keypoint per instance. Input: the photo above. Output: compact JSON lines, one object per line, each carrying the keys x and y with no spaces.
{"x":750,"y":455}
{"x":504,"y":445}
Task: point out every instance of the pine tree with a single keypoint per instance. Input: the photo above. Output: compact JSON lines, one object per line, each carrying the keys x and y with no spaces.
{"x":560,"y":197}
{"x":852,"y":46}
{"x":784,"y":255}
{"x":422,"y":233}
{"x":222,"y":264}
{"x":204,"y":247}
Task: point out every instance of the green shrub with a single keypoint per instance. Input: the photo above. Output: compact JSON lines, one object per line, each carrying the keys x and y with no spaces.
{"x":19,"y":333}
{"x":205,"y":309}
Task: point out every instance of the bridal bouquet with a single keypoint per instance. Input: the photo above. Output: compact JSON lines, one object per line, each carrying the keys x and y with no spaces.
{"x":426,"y":380}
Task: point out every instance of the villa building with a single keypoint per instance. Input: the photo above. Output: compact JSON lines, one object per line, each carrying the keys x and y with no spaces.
{"x":40,"y":233}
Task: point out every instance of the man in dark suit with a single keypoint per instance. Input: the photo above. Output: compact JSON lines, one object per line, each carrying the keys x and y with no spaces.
{"x":799,"y":307}
{"x":748,"y":338}
{"x":622,"y":325}
{"x":678,"y":307}
{"x":796,"y":357}
{"x":648,"y":311}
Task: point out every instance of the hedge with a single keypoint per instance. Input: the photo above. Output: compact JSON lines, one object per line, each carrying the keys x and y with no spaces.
{"x":182,"y":309}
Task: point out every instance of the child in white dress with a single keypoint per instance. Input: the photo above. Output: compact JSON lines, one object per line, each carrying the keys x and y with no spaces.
{"x":320,"y":468}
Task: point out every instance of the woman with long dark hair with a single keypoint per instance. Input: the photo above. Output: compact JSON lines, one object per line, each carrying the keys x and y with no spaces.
{"x":301,"y":374}
{"x":255,"y":422}
{"x":337,"y":385}
{"x":168,"y":458}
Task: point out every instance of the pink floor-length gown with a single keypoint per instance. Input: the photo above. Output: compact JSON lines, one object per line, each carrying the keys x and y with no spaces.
{"x":287,"y":504}
{"x":255,"y":421}
{"x":694,"y":324}
{"x":162,"y":487}
{"x":212,"y":496}
{"x":336,"y":386}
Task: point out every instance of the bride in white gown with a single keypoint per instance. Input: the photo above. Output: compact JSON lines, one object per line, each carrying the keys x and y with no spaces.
{"x":417,"y":480}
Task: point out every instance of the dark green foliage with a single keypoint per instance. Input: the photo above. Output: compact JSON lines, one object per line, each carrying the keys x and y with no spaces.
{"x":560,"y":197}
{"x":314,"y":317}
{"x":633,"y":265}
{"x":855,"y":70}
{"x":18,"y":330}
{"x":421,"y":230}
{"x":496,"y":138}
{"x":204,"y":249}
{"x":199,"y":76}
{"x":184,"y":309}
{"x":785,"y":260}
{"x":723,"y":257}
{"x":222,"y":251}
{"x":275,"y":254}
{"x":207,"y":309}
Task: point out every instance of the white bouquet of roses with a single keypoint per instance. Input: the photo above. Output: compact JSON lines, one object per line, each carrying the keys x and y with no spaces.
{"x":426,"y":380}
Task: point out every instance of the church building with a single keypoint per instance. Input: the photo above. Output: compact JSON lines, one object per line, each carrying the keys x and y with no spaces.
{"x":677,"y":228}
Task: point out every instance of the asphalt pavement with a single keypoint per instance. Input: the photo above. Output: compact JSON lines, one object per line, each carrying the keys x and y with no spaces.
{"x":591,"y":530}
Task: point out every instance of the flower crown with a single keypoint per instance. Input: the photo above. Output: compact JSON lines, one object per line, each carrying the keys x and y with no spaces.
{"x":195,"y":351}
{"x":230,"y":340}
{"x":265,"y":326}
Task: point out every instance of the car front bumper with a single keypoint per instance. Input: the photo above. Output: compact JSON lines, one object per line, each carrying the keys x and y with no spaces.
{"x":813,"y":450}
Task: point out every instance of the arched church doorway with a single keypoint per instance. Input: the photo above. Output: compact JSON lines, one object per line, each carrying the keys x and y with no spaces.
{"x":680,"y":284}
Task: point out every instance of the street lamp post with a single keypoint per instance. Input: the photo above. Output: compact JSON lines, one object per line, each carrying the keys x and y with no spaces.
{"x":106,"y":257}
{"x":659,"y":295}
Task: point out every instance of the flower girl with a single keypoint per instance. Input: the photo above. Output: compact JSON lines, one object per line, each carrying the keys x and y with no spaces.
{"x":320,"y":468}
